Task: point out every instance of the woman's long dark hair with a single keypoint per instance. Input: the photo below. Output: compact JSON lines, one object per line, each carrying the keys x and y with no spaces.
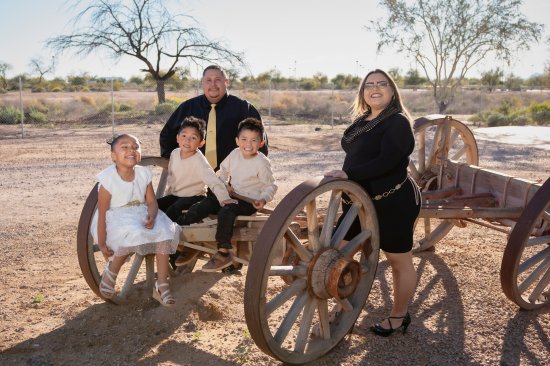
{"x":360,"y":105}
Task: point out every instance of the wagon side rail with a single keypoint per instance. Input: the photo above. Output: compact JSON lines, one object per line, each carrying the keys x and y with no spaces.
{"x":478,"y":195}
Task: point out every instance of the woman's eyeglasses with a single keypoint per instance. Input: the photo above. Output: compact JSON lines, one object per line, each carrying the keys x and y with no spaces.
{"x":379,"y":85}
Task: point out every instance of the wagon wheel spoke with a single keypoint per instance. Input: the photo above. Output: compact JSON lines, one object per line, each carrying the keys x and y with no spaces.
{"x":543,"y":283}
{"x":345,"y":225}
{"x":290,"y":318}
{"x":305,"y":325}
{"x":313,"y":225}
{"x":288,"y":293}
{"x":324,"y":318}
{"x":296,"y":271}
{"x":415,"y":174}
{"x":543,"y":258}
{"x":421,"y":151}
{"x":354,"y":245}
{"x":330,"y":218}
{"x":460,"y":153}
{"x":297,"y":246}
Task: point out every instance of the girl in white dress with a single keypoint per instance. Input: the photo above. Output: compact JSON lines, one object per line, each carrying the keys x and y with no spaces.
{"x":128,"y":220}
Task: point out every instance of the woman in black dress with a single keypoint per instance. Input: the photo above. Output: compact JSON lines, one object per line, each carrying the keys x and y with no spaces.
{"x":377,"y":146}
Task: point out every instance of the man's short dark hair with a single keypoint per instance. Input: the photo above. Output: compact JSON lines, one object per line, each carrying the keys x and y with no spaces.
{"x":215,"y":67}
{"x":252,"y":124}
{"x":196,"y":123}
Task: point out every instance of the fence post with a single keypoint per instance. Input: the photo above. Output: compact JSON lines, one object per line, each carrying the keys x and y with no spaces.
{"x":112,"y":106}
{"x":21,"y":107}
{"x":332,"y":105}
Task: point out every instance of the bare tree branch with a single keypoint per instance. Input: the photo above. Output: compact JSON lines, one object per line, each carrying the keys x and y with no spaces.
{"x":145,"y":30}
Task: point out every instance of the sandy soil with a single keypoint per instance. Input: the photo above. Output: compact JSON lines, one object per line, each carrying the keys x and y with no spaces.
{"x":49,"y":316}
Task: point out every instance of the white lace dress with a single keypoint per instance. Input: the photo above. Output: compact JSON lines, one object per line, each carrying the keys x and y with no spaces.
{"x":127,"y":213}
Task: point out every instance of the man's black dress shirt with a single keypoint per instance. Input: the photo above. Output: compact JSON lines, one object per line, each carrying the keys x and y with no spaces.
{"x":230,"y":110}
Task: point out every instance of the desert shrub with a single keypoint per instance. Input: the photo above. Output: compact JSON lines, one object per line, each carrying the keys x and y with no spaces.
{"x":86,"y":99}
{"x":175,"y":99}
{"x":9,"y":115}
{"x":519,"y":119}
{"x":38,"y":89}
{"x":540,"y":112}
{"x":497,"y":119}
{"x":510,"y":105}
{"x":168,"y":107}
{"x":125,"y":107}
{"x":37,"y":116}
{"x":56,"y":89}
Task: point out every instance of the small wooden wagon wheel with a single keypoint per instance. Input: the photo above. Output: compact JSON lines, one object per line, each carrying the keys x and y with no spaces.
{"x":91,"y":260}
{"x":299,"y":306}
{"x":525,"y":268}
{"x":438,"y":138}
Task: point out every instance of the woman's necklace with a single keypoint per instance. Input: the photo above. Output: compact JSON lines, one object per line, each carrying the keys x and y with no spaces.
{"x":361,"y":125}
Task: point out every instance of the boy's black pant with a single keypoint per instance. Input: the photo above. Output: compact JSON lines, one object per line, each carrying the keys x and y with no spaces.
{"x":174,"y":205}
{"x":226,"y":216}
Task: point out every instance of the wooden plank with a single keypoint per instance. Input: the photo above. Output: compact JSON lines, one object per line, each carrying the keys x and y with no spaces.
{"x":459,"y":213}
{"x":197,"y":234}
{"x":507,"y":190}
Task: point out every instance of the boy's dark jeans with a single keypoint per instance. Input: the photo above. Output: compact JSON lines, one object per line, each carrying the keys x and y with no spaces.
{"x":174,"y":205}
{"x":226,"y":216}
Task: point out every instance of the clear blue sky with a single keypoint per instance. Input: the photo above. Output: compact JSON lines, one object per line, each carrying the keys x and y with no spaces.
{"x":297,"y":37}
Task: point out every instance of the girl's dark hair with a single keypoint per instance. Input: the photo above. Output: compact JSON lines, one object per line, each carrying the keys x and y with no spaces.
{"x":196,"y":123}
{"x":252,"y":124}
{"x":116,"y":138}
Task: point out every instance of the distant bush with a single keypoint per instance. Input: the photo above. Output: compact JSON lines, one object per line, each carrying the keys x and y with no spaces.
{"x":125,"y":107}
{"x":37,"y":116}
{"x":87,"y":100}
{"x":497,"y":119}
{"x":9,"y":115}
{"x":168,"y":107}
{"x":540,"y":112}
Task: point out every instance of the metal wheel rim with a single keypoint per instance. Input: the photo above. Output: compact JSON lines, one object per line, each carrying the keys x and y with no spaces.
{"x":516,"y":261}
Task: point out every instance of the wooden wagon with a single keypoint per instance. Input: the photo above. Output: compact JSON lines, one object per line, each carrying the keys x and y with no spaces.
{"x":304,"y":290}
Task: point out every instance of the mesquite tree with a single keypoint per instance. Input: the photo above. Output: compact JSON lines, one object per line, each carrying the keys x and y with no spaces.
{"x":448,"y":37}
{"x":146,"y":30}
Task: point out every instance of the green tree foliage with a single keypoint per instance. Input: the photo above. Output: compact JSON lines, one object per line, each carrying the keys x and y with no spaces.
{"x":414,"y":79}
{"x":446,"y":38}
{"x":147,"y":31}
{"x":397,"y":77}
{"x":345,"y":81}
{"x":492,"y":78}
{"x":3,"y":82}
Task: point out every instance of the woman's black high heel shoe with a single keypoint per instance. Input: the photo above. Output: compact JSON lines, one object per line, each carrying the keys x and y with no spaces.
{"x":378,"y":329}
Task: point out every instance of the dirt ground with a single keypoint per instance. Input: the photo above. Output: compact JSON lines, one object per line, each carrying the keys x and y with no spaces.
{"x":49,"y":316}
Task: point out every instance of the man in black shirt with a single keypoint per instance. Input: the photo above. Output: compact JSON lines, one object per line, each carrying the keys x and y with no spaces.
{"x":230,"y":110}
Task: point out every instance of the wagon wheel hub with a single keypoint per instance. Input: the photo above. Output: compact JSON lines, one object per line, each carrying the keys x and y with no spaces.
{"x":331,"y":274}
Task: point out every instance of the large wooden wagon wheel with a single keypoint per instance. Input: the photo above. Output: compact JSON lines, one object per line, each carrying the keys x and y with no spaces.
{"x":525,"y":268}
{"x":91,"y":260}
{"x":438,"y":138}
{"x":300,"y":305}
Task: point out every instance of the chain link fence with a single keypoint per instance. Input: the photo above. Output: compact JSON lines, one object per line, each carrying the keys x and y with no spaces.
{"x":126,"y":105}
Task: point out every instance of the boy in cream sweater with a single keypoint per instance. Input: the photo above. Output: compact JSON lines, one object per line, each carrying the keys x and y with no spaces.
{"x":188,"y":175}
{"x":249,"y":178}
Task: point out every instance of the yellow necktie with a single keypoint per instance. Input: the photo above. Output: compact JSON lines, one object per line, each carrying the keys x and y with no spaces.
{"x":211,"y":138}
